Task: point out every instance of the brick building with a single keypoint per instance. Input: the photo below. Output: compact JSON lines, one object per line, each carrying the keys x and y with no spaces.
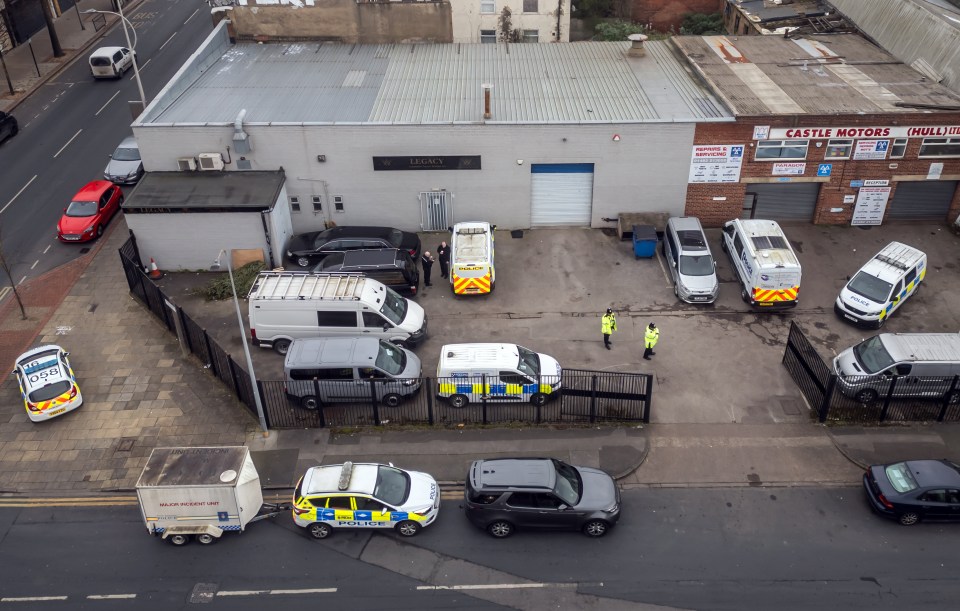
{"x":829,"y":130}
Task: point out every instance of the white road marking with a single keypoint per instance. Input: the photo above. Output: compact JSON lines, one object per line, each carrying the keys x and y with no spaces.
{"x":191,"y":16}
{"x":141,"y":67}
{"x":29,"y":599}
{"x":500,"y":586}
{"x":111,"y":596}
{"x":168,"y":40}
{"x":22,"y":279}
{"x":107,"y":102}
{"x":34,"y":263}
{"x":68,"y":143}
{"x":5,"y":291}
{"x":275,"y":592}
{"x":22,"y":189}
{"x":47,"y":248}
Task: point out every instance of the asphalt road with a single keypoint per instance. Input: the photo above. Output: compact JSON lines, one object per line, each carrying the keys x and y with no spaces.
{"x":72,"y":124}
{"x":695,"y":548}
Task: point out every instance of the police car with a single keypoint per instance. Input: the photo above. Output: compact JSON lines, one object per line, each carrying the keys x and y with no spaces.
{"x":365,"y":495}
{"x":47,"y":383}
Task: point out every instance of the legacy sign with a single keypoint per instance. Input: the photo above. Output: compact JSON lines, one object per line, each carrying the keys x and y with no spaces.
{"x":927,"y":131}
{"x":460,"y":162}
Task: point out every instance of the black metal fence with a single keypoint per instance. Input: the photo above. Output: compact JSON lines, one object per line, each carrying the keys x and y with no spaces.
{"x":582,"y":397}
{"x":868,"y":398}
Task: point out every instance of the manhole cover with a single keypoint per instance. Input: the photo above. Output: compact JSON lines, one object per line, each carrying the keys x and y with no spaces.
{"x":125,"y":445}
{"x":203,"y":593}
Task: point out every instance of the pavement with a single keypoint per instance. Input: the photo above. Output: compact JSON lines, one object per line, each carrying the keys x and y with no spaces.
{"x":141,"y":392}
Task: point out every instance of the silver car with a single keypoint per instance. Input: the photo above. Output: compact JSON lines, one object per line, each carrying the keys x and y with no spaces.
{"x":125,"y":166}
{"x":690,"y":261}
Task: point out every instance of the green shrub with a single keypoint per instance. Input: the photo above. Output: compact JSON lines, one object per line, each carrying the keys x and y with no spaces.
{"x":617,"y":30}
{"x":219,"y":289}
{"x":702,"y":24}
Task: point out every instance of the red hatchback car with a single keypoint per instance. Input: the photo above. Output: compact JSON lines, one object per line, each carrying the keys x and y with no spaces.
{"x":92,"y":208}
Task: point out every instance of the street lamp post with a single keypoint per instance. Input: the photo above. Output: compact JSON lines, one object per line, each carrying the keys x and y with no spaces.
{"x":136,"y":68}
{"x":243,"y":336}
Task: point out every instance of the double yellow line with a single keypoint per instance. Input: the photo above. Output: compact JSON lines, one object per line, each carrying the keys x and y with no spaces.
{"x":68,"y":501}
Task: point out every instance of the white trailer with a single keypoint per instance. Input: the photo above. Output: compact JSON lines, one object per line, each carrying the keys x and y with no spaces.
{"x":200,"y":493}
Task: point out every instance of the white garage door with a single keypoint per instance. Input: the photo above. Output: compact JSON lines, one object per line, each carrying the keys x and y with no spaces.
{"x":562,"y":194}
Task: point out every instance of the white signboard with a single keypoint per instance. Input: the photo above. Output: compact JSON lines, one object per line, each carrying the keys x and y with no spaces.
{"x":761,"y":132}
{"x":876,"y":183}
{"x":871,"y":149}
{"x":849,"y":199}
{"x":936,"y":169}
{"x":789,"y":169}
{"x":870,"y":131}
{"x":871,"y":204}
{"x":716,"y":163}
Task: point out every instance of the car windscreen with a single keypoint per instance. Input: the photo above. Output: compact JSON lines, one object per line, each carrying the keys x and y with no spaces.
{"x":569,"y":487}
{"x":529,"y":362}
{"x":391,"y":358}
{"x":872,"y":355}
{"x":81,"y":209}
{"x":394,"y":307}
{"x":50,"y":391}
{"x":126,"y":154}
{"x":871,"y":287}
{"x":900,"y":477}
{"x":696,"y":265}
{"x":392,"y":487}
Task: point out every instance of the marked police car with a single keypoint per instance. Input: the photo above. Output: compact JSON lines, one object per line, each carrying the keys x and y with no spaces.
{"x":47,"y":383}
{"x":365,"y":495}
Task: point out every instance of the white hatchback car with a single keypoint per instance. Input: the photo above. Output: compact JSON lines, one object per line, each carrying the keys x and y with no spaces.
{"x":111,"y":62}
{"x":47,"y":383}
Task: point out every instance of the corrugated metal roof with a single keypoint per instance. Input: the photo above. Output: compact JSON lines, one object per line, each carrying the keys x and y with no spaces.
{"x":853,"y":76}
{"x":200,"y":191}
{"x":442,"y":84}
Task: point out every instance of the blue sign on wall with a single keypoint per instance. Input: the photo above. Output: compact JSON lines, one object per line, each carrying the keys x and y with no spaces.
{"x":856,"y":184}
{"x":824,"y":169}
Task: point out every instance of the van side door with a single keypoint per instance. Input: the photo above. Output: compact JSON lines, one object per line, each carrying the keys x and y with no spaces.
{"x":673,"y":254}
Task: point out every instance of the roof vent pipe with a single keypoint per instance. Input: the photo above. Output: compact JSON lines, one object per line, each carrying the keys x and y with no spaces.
{"x":241,"y":142}
{"x":636,"y":45}
{"x":486,"y":99}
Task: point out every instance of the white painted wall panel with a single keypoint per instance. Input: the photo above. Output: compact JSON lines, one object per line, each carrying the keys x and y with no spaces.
{"x":192,"y":241}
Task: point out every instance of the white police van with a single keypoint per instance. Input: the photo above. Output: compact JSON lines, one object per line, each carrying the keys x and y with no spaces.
{"x":882,"y":285}
{"x":471,"y":373}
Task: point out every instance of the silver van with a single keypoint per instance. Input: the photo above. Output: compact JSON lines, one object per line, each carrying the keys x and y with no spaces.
{"x":690,"y":261}
{"x":349,"y":369}
{"x":921,"y":365}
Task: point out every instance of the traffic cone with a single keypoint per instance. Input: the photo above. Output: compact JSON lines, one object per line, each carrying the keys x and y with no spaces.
{"x":155,"y":273}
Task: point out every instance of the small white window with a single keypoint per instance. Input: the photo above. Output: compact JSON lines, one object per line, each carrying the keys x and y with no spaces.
{"x":338,"y":203}
{"x":488,"y":36}
{"x":531,"y":36}
{"x":294,"y":203}
{"x":899,"y":148}
{"x":531,"y":6}
{"x":838,"y":149}
{"x":317,"y":204}
{"x":488,"y":6}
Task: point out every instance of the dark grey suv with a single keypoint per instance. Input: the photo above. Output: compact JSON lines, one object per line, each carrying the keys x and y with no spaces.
{"x":504,"y":494}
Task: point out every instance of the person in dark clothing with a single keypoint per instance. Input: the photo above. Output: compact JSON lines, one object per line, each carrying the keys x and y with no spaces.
{"x":427,"y":262}
{"x":443,"y":254}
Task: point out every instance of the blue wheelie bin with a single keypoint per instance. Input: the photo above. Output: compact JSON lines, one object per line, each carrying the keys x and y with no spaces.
{"x":644,"y":241}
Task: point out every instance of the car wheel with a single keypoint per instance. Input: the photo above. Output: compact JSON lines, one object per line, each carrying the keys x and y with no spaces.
{"x":881,"y":322}
{"x":458,"y":401}
{"x":391,"y":400}
{"x":953,"y":398}
{"x":99,"y":230}
{"x":676,"y":291}
{"x":744,"y":296}
{"x":319,"y":530}
{"x":303,"y":261}
{"x":910,"y":518}
{"x":723,"y":245}
{"x":595,"y":528}
{"x":408,"y":528}
{"x":500,"y":529}
{"x":867,"y":395}
{"x":179,"y":540}
{"x":281,"y":346}
{"x":16,"y":130}
{"x":309,"y":402}
{"x":538,"y":399}
{"x":206,"y":539}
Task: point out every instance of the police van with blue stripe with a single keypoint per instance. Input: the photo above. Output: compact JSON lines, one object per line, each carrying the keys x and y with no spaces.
{"x":472,"y":373}
{"x":882,"y":285}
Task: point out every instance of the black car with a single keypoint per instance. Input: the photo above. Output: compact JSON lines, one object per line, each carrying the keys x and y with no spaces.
{"x":8,"y":126}
{"x":915,"y":490}
{"x":306,"y":249}
{"x":393,"y":267}
{"x":540,"y":493}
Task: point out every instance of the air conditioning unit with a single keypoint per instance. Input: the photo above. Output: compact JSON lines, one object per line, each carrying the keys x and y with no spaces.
{"x":210,"y":162}
{"x":187,"y":164}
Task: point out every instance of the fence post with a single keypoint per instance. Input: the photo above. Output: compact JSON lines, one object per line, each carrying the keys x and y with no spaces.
{"x":483,"y":396}
{"x":233,"y":376}
{"x":593,"y":398}
{"x":429,"y":385}
{"x":645,"y":417}
{"x":947,"y":398}
{"x":889,"y":397}
{"x":213,"y":364}
{"x":537,"y":408}
{"x":824,"y":408}
{"x":373,"y":398}
{"x":266,"y":412}
{"x":316,"y":393}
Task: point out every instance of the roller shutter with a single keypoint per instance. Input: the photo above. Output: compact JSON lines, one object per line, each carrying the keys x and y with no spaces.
{"x":785,"y":202}
{"x":561,"y":194}
{"x":922,"y":201}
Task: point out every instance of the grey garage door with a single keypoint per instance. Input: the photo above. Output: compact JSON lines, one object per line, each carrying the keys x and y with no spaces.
{"x":783,"y":202}
{"x":922,"y":201}
{"x":561,"y":194}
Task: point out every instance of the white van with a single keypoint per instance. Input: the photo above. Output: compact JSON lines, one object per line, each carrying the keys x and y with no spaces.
{"x":767,"y":268}
{"x":882,"y":285}
{"x":110,"y":62}
{"x":471,"y":259}
{"x":323,"y":370}
{"x":923,"y":363}
{"x":284,"y":306}
{"x":496,"y":372}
